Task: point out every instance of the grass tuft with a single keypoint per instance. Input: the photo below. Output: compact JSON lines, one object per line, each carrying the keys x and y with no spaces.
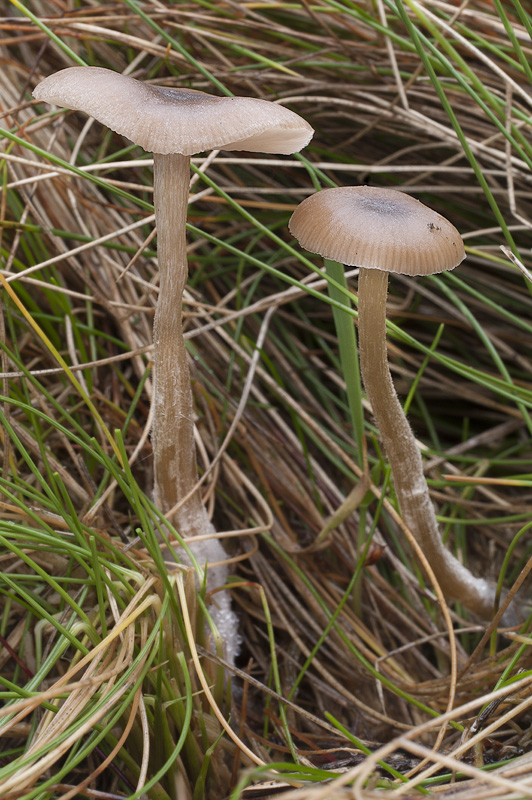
{"x":354,"y":676}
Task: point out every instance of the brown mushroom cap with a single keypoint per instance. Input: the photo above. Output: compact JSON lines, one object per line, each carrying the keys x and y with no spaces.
{"x":165,"y":121}
{"x":366,"y":226}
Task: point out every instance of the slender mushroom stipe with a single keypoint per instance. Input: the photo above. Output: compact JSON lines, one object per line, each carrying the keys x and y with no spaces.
{"x":174,"y":124}
{"x":382,"y":231}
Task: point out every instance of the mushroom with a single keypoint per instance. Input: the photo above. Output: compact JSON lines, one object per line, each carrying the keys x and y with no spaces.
{"x":174,"y":124}
{"x":381,"y":231}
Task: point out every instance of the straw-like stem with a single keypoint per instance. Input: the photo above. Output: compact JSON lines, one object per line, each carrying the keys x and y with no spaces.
{"x":174,"y":454}
{"x":174,"y":451}
{"x":403,"y":453}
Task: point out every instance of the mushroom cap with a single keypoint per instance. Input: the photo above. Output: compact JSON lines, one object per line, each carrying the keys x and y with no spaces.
{"x":374,"y":228}
{"x":185,"y":121}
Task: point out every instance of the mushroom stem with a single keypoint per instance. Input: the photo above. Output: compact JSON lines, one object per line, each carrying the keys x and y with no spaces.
{"x":174,"y":450}
{"x":403,"y":452}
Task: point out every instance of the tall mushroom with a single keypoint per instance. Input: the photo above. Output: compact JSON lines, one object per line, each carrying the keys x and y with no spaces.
{"x":174,"y":124}
{"x":383,"y":231}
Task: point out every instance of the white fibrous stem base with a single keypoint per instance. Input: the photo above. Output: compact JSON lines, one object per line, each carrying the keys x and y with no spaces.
{"x":208,"y":552}
{"x":417,"y":510}
{"x":174,"y":449}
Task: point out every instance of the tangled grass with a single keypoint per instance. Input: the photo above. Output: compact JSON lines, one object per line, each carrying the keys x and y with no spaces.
{"x":355,"y":676}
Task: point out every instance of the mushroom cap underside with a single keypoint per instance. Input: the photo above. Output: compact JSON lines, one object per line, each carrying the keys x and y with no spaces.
{"x":377,"y":228}
{"x":164,"y":120}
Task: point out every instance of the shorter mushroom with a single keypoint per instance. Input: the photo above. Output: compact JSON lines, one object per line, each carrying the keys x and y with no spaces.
{"x":382,"y":231}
